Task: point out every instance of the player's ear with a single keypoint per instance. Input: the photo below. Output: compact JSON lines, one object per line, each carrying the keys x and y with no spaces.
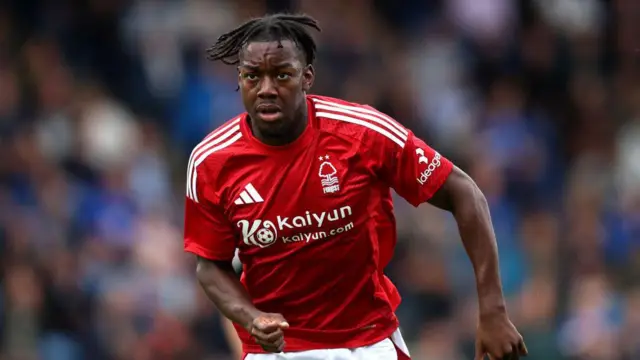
{"x":308,"y":76}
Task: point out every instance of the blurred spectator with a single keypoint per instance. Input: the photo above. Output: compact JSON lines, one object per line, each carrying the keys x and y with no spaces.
{"x":101,"y":103}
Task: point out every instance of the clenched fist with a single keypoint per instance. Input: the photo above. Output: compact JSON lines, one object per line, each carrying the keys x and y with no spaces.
{"x":498,"y":338}
{"x":268,"y":331}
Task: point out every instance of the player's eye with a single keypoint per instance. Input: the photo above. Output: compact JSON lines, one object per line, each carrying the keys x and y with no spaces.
{"x":284,"y":76}
{"x":250,"y":77}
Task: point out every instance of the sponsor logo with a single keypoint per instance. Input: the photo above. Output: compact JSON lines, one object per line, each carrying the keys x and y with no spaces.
{"x":433,"y":165}
{"x":259,"y":233}
{"x":264,"y":233}
{"x":249,"y":196}
{"x":421,"y":158}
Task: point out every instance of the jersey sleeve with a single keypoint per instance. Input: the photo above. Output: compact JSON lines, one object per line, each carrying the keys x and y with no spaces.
{"x":410,"y":166}
{"x":207,"y":231}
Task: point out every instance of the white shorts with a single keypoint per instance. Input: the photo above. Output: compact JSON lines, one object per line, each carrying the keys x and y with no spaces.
{"x":393,"y":348}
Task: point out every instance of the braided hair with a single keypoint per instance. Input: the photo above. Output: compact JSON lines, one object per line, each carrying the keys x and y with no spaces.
{"x":275,"y":27}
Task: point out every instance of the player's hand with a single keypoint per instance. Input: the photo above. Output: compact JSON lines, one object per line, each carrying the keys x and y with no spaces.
{"x":498,"y":338}
{"x":268,"y":331}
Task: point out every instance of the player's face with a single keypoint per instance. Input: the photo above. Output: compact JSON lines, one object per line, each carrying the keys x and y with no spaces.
{"x":273,"y":81}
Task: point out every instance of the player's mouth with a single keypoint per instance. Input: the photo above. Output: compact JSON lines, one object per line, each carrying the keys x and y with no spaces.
{"x":268,"y":112}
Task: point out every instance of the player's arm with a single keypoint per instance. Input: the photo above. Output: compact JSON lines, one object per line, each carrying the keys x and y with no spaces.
{"x":461,"y":196}
{"x":209,"y":235}
{"x":221,"y":284}
{"x":419,"y":174}
{"x":227,"y":326}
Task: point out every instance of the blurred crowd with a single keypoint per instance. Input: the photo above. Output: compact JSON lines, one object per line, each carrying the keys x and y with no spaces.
{"x":101,"y":102}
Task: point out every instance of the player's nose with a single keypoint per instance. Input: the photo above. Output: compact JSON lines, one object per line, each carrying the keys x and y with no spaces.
{"x":267,"y":88}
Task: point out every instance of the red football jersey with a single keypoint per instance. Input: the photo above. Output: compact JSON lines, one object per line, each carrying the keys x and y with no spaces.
{"x":313,"y":220}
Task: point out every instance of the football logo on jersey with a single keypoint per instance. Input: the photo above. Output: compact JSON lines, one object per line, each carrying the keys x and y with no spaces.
{"x":327,"y":172}
{"x":259,"y":233}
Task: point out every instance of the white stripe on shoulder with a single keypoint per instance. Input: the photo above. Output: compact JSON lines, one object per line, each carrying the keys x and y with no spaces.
{"x":365,"y":110}
{"x":362,"y":116}
{"x":206,"y":141}
{"x":205,"y":144}
{"x":218,"y":140}
{"x":191,"y":191}
{"x":217,"y":132}
{"x":364,"y":123}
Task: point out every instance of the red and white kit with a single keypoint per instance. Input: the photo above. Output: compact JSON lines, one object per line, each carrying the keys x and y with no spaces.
{"x":313,"y":223}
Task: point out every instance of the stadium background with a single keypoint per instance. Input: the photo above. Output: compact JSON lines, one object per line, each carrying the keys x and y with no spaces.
{"x":101,"y":101}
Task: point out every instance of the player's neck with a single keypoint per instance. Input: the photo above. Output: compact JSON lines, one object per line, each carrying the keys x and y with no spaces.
{"x":288,"y":135}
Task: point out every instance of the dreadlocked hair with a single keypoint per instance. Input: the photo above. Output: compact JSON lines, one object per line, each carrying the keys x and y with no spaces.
{"x":272,"y":27}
